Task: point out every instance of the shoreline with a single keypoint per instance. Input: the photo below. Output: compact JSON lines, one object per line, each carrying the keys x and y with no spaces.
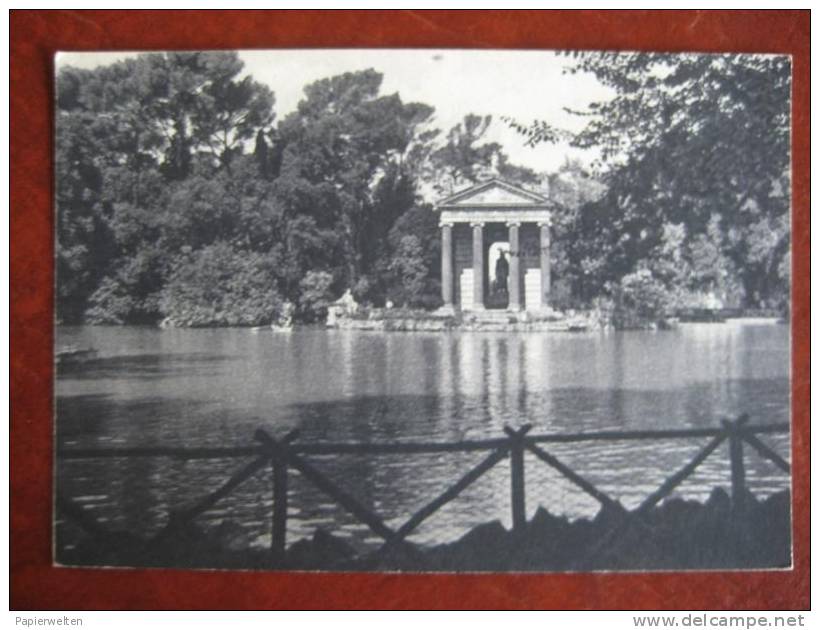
{"x":352,"y":316}
{"x":676,"y":535}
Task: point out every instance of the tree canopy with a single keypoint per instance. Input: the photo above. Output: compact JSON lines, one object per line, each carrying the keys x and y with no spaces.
{"x":693,"y":151}
{"x":180,"y":197}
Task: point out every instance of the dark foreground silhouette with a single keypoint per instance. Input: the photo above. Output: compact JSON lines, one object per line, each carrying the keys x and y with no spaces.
{"x":678,"y":534}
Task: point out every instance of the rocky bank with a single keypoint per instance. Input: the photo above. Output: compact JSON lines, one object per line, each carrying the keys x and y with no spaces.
{"x":678,"y":534}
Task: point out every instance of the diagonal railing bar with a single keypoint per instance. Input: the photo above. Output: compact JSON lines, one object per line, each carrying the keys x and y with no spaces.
{"x":766,"y":451}
{"x":341,"y":496}
{"x":679,"y":477}
{"x":78,"y":515}
{"x":571,"y":475}
{"x":445,"y":497}
{"x":653,"y":499}
{"x":178,"y":518}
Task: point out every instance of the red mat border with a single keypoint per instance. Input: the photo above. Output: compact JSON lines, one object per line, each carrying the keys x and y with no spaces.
{"x":36,"y":35}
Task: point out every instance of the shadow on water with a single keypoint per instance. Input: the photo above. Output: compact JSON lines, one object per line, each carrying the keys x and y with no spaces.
{"x":433,"y":417}
{"x":564,"y":409}
{"x":136,"y":495}
{"x":142,"y":366}
{"x":95,"y":419}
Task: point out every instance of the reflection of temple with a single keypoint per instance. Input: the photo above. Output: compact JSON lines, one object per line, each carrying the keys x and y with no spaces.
{"x":477,"y":226}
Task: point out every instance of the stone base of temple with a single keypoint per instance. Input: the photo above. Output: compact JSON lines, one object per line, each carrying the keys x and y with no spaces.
{"x":495,"y":314}
{"x":451,"y":318}
{"x":448,"y":310}
{"x":544,"y":313}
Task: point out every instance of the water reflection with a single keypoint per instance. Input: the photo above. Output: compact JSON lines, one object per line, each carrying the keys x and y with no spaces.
{"x":215,"y":387}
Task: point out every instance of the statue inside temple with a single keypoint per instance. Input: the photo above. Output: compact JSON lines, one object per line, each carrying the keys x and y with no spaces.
{"x":502,"y":270}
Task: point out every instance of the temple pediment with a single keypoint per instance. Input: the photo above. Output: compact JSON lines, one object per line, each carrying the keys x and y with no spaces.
{"x":494,"y":201}
{"x":494,"y":193}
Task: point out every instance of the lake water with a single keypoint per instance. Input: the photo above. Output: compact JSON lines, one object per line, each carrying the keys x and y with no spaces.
{"x":151,"y":387}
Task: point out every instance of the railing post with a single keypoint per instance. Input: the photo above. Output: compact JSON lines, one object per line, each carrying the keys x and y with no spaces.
{"x":279,"y":524}
{"x":740,"y":523}
{"x":734,"y":430}
{"x":279,"y":527}
{"x":517,"y":484}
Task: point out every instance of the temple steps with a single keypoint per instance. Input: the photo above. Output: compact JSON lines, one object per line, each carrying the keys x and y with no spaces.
{"x":493,"y":316}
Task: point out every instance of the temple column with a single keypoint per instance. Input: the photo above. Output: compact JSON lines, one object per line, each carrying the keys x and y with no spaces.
{"x":478,"y":266}
{"x":447,"y":264}
{"x":545,"y":263}
{"x":514,"y":279}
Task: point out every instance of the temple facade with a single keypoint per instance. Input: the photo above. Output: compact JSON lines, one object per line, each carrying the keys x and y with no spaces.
{"x":495,"y":248}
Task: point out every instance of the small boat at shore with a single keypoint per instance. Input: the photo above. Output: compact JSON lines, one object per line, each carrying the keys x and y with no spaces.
{"x":73,"y":355}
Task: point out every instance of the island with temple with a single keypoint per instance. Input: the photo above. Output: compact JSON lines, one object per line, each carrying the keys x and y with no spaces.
{"x":495,"y":268}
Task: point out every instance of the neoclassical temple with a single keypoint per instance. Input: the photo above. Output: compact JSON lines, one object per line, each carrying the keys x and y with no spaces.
{"x":487,"y":223}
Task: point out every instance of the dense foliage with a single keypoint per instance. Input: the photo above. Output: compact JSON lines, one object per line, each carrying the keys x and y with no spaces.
{"x":694,"y":162}
{"x":218,"y":285}
{"x":181,"y":200}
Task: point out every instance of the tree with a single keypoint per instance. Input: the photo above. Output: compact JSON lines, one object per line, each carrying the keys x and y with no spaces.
{"x":346,"y":136}
{"x":407,"y":266}
{"x":640,"y":298}
{"x":316,"y":294}
{"x":464,"y":159}
{"x":221,"y":286}
{"x":141,"y":148}
{"x":573,"y":190}
{"x":686,"y":138}
{"x":171,"y":171}
{"x":229,"y":111}
{"x":82,"y":247}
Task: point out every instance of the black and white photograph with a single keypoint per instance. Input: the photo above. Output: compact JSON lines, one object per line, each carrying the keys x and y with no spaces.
{"x":428,"y":310}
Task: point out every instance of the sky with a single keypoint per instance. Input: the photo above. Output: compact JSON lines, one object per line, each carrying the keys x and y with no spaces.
{"x":524,"y":85}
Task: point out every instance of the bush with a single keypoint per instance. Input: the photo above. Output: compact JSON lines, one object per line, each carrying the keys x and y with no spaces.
{"x":110,"y":304}
{"x":220,"y":286}
{"x":431,"y":298}
{"x":409,"y":271}
{"x":640,"y":299}
{"x":369,"y":289}
{"x":315,"y":295}
{"x":130,"y":295}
